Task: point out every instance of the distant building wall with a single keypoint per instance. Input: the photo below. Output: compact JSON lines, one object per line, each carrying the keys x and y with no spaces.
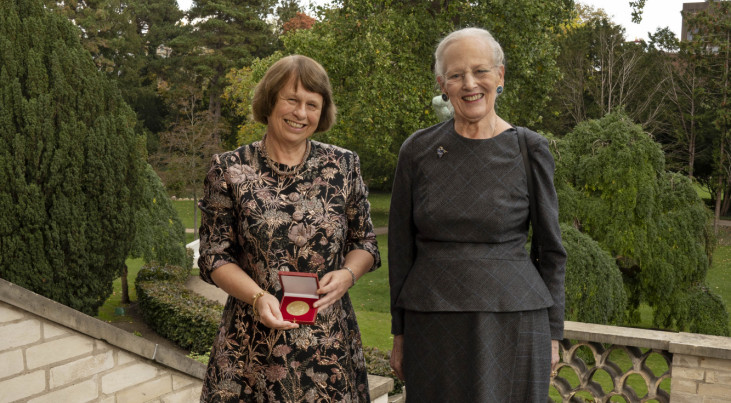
{"x":686,"y":33}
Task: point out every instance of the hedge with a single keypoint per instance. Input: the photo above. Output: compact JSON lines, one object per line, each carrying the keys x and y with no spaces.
{"x":174,"y":312}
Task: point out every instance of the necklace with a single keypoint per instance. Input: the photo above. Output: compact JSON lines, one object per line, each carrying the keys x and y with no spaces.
{"x":275,"y":165}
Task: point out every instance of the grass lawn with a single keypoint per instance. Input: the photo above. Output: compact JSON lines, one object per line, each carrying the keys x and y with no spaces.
{"x":371,"y":300}
{"x":718,"y":278}
{"x":185,"y":212}
{"x":111,"y":311}
{"x":380,"y":203}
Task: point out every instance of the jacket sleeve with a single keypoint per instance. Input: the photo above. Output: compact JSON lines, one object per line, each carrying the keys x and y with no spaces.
{"x":401,"y":233}
{"x":218,"y":222}
{"x":547,"y":232}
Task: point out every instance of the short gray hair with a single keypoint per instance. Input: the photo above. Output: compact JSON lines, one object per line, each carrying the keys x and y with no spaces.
{"x":478,"y":33}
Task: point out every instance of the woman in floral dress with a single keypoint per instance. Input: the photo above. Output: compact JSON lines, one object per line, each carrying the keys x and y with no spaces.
{"x":287,"y":203}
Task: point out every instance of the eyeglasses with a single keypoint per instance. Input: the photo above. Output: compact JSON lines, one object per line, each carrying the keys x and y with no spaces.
{"x":479,"y":73}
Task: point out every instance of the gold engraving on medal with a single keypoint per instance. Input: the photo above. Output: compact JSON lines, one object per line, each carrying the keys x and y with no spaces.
{"x":297,"y":308}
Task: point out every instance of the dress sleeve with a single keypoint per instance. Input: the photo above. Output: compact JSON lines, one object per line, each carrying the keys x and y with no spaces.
{"x":358,"y":211}
{"x":218,"y":227}
{"x":401,"y":234}
{"x":551,"y":253}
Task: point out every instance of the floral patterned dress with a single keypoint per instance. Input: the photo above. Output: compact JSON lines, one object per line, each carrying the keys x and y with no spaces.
{"x":265,"y":223}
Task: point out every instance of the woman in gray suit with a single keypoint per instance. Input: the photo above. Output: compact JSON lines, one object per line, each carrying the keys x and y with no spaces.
{"x":474,"y":320}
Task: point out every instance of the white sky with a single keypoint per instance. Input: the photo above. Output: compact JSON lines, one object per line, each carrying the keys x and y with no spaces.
{"x":657,"y":13}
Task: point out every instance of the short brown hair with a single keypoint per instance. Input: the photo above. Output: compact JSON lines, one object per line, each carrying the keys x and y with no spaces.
{"x":304,"y":70}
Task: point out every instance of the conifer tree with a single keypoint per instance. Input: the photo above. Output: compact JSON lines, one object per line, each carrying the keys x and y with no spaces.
{"x":160,"y":235}
{"x":613,"y":186}
{"x":226,"y":34}
{"x":70,"y":162}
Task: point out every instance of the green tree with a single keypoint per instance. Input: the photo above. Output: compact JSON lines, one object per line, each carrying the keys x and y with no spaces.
{"x":187,"y":146}
{"x":594,"y":289}
{"x":711,"y":47}
{"x":286,"y":11}
{"x":70,"y":165}
{"x":127,"y":40}
{"x":613,"y":187}
{"x":225,"y":34}
{"x":602,"y":72}
{"x":160,"y":235}
{"x":379,"y":56}
{"x":686,"y":139}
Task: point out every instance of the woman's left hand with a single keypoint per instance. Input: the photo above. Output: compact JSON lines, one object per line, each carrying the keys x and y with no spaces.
{"x":333,"y":286}
{"x":555,"y":358}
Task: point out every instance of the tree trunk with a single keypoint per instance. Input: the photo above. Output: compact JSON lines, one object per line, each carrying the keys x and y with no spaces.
{"x":726,"y":198}
{"x":195,"y":215}
{"x":125,"y":287}
{"x":719,"y":192}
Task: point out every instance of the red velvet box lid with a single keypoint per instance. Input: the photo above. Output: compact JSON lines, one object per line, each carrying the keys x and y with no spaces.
{"x":299,"y":287}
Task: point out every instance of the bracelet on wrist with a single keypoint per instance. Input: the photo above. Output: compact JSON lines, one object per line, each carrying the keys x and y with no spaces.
{"x":352,"y":275}
{"x":256,"y":298}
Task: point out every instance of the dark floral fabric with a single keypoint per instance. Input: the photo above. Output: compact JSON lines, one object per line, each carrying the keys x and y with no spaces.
{"x":265,"y":223}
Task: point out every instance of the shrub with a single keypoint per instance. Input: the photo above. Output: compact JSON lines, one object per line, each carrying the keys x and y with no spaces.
{"x":594,"y":289}
{"x":707,"y":313}
{"x":378,"y":363}
{"x":176,"y":313}
{"x":154,"y":271}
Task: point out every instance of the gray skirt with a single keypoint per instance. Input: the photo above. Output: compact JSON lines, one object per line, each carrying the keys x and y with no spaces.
{"x":477,"y":356}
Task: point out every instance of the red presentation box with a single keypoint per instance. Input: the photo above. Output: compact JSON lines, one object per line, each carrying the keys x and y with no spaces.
{"x":300,"y":292}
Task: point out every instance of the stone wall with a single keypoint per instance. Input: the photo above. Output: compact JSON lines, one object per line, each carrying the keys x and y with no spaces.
{"x":52,"y":353}
{"x":701,"y":369}
{"x":42,"y":360}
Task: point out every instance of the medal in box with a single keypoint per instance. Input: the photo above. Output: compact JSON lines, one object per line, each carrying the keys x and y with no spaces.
{"x":300,"y":292}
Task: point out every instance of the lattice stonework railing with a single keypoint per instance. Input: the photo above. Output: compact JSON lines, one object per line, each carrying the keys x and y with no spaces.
{"x":601,"y":363}
{"x":574,"y":365}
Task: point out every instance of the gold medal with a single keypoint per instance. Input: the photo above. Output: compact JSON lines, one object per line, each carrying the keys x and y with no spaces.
{"x":297,"y":308}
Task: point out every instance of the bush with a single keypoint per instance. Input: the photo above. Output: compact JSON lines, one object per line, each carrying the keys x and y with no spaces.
{"x":378,"y":363}
{"x":594,"y":289}
{"x":173,"y":311}
{"x":708,"y":313}
{"x":154,"y":271}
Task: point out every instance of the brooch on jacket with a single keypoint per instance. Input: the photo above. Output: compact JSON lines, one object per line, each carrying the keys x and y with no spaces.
{"x":441,"y":151}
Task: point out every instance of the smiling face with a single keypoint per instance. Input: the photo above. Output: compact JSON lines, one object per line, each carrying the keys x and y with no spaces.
{"x":295,"y":115}
{"x":470,"y":79}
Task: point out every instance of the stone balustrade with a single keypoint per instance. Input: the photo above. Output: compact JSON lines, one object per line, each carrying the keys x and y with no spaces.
{"x":49,"y":352}
{"x":693,"y":368}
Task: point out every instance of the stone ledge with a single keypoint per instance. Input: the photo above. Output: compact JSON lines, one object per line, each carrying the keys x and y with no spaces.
{"x":379,"y":385}
{"x":61,"y":314}
{"x":624,"y":336}
{"x":694,"y":344}
{"x":702,"y":345}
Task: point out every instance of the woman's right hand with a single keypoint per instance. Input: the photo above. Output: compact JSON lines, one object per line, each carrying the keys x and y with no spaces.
{"x":269,"y":314}
{"x":397,"y":356}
